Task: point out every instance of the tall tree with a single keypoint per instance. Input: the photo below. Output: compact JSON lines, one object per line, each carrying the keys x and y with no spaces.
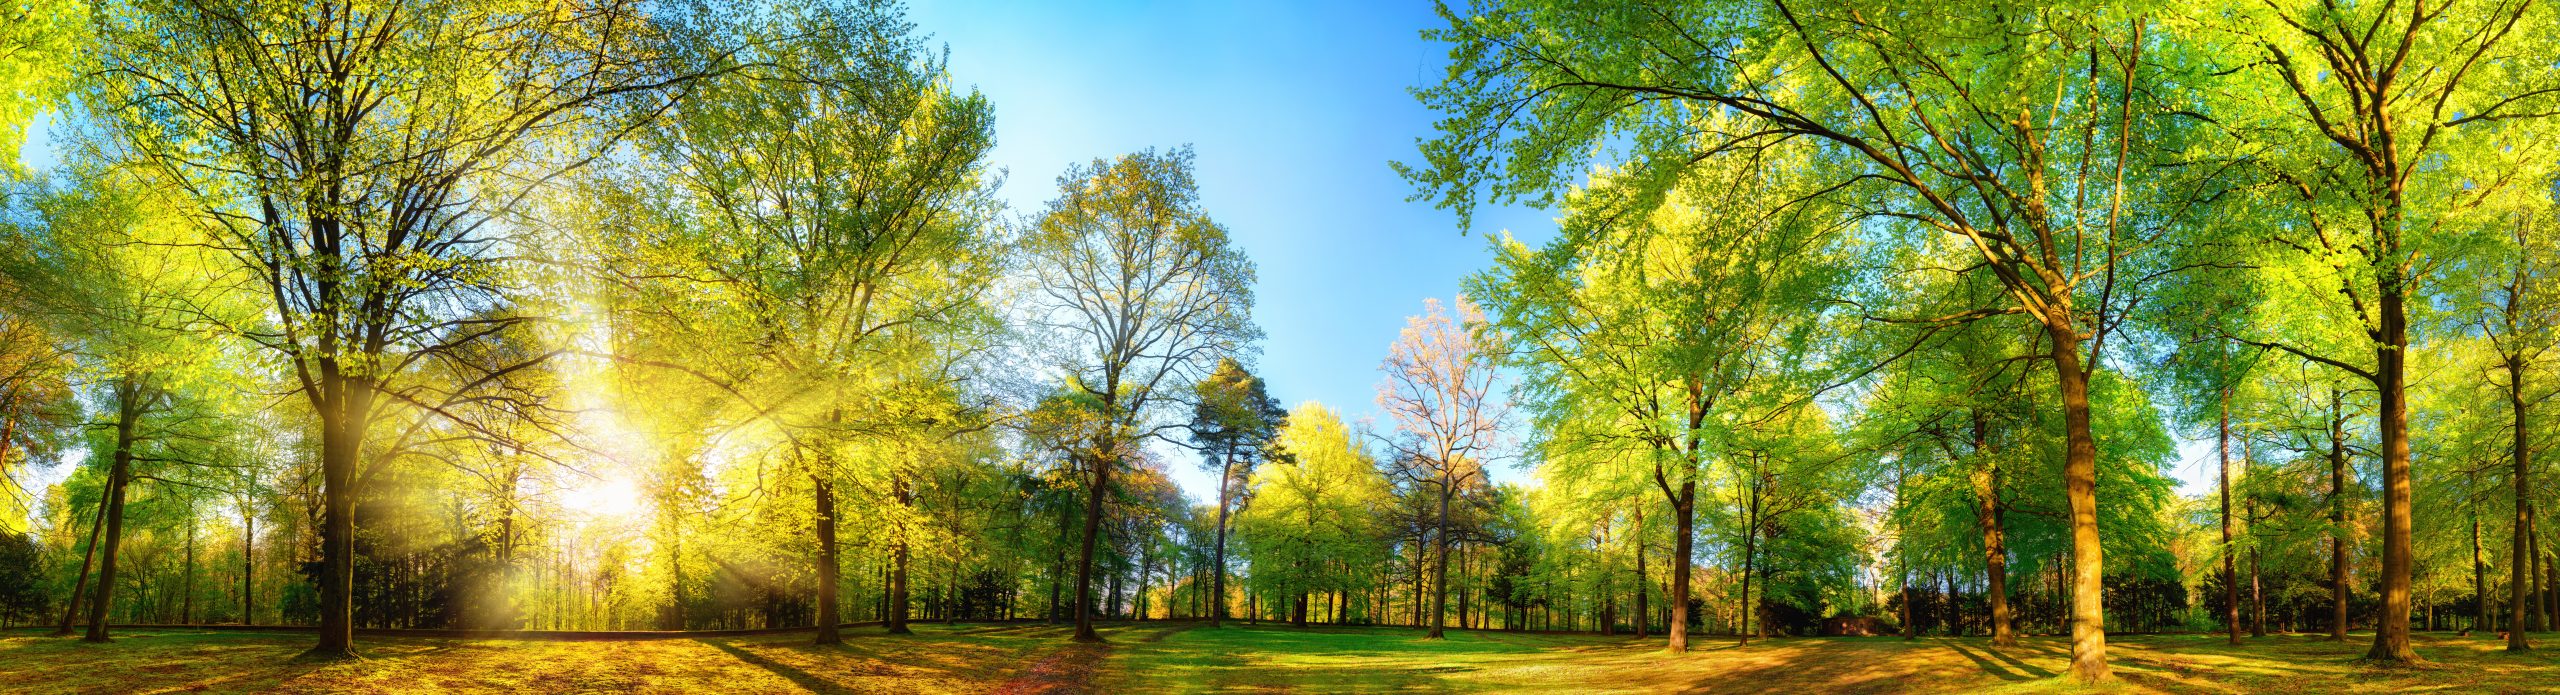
{"x":1232,"y":424}
{"x":351,"y":157}
{"x":1439,"y":389}
{"x":1928,"y":117}
{"x":2386,"y":134}
{"x":1143,"y":294}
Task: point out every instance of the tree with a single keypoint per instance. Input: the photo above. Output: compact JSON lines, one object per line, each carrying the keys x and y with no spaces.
{"x":1924,"y":118}
{"x":821,"y":246}
{"x":38,"y":50}
{"x":2383,"y":134}
{"x":1439,"y":389}
{"x":1653,"y":305}
{"x":352,"y":158}
{"x":1143,"y":294}
{"x":1316,"y":512}
{"x":1232,"y":423}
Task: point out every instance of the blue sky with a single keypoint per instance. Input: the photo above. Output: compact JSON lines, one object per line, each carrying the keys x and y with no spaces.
{"x":1294,"y":110}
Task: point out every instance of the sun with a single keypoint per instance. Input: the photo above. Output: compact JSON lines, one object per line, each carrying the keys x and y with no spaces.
{"x":602,"y":498}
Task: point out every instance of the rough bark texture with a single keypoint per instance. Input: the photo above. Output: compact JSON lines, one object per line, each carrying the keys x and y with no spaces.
{"x":2080,"y":487}
{"x":2391,"y":634}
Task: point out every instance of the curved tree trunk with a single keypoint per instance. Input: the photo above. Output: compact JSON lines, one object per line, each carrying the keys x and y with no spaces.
{"x":119,"y":477}
{"x":1995,"y":549}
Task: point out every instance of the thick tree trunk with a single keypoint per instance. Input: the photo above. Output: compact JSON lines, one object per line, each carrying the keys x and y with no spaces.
{"x":1995,"y":549}
{"x":2080,"y":487}
{"x":2391,"y":633}
{"x":345,"y":407}
{"x":830,"y":567}
{"x":1683,"y":549}
{"x":2230,"y":570}
{"x":1084,"y":565}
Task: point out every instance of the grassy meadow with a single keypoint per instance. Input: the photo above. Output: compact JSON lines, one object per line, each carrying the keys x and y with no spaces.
{"x":1192,"y":658}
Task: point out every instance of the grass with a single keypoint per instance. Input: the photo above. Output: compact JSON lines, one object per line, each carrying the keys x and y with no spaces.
{"x":936,"y":660}
{"x":1240,"y":658}
{"x":1270,"y":658}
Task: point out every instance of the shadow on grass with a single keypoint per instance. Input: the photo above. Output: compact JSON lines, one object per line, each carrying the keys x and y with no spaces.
{"x":786,"y":671}
{"x":1987,"y":665}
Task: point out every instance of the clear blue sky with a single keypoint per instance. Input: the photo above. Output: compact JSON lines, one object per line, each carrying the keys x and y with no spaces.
{"x":1294,"y":109}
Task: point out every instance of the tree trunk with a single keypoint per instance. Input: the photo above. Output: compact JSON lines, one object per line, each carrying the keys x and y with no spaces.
{"x":2230,"y":570}
{"x":119,"y":476}
{"x":2521,"y":475}
{"x":830,"y":567}
{"x":248,"y":568}
{"x":187,"y":584}
{"x":1092,"y":528}
{"x":1750,"y":538}
{"x":1995,"y":550}
{"x":2080,"y":486}
{"x":1218,"y":574}
{"x":1440,"y":563}
{"x":1641,"y":585}
{"x":345,"y":407}
{"x":2391,"y":633}
{"x":2338,"y":587}
{"x":1684,"y":509}
{"x":79,"y":587}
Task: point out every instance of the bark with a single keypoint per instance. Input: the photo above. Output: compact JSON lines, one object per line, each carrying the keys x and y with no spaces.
{"x":2080,"y":483}
{"x":2521,"y":475}
{"x":119,"y":476}
{"x":1440,"y":564}
{"x":1750,"y":546}
{"x":1641,"y":585}
{"x":896,"y":618}
{"x":345,"y":408}
{"x":79,"y":587}
{"x":1084,"y":564}
{"x":1218,"y":574}
{"x":1995,"y":549}
{"x":2338,"y":588}
{"x":1684,"y":507}
{"x":2230,"y":572}
{"x":248,"y":569}
{"x":2391,"y":635}
{"x":830,"y":615}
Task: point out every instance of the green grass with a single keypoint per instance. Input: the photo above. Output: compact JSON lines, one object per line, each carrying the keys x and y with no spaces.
{"x":1241,"y":658}
{"x":937,"y":659}
{"x":1271,"y":658}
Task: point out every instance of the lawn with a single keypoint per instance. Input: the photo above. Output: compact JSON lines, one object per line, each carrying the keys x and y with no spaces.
{"x":1179,"y":658}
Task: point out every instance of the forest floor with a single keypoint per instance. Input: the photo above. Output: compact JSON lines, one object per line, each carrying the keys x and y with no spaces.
{"x":1177,"y":657}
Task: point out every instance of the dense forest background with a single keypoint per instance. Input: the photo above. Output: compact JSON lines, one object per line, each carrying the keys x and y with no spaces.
{"x":620,"y":315}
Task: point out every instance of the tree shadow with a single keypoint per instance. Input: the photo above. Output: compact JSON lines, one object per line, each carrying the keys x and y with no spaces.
{"x":2021,"y":665}
{"x":802,"y":678}
{"x":1987,"y":665}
